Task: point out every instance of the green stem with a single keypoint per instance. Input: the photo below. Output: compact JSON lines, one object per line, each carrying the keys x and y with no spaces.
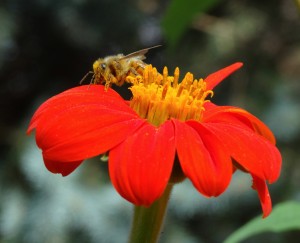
{"x":147,"y":222}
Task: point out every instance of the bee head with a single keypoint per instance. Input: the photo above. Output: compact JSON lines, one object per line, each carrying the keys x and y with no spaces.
{"x":103,"y":66}
{"x":99,"y":66}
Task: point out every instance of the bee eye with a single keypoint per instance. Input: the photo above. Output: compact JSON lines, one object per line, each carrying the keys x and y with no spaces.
{"x":103,"y":66}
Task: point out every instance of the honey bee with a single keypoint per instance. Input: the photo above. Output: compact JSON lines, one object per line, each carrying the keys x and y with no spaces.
{"x":115,"y":69}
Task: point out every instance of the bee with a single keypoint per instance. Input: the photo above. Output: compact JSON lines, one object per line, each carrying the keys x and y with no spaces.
{"x":115,"y":69}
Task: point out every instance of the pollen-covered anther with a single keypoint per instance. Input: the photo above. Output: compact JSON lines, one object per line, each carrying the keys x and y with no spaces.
{"x":176,"y":78}
{"x":165,"y":90}
{"x":158,"y":97}
{"x":165,"y":75}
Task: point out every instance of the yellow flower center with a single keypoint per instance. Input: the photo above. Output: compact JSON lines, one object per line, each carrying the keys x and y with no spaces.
{"x":158,"y":98}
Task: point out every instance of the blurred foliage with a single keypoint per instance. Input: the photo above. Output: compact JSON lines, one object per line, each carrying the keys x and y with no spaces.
{"x":285,"y":217}
{"x":179,"y":16}
{"x":48,"y":46}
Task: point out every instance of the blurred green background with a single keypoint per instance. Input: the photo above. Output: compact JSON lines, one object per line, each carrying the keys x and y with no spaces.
{"x":47,"y":46}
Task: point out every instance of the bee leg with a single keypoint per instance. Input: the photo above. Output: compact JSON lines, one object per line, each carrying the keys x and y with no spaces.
{"x":134,"y":72}
{"x":121,"y":81}
{"x":117,"y":72}
{"x":110,"y":80}
{"x":92,"y":81}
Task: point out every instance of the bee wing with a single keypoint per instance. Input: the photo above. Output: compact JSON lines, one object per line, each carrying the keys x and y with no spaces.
{"x":140,"y":53}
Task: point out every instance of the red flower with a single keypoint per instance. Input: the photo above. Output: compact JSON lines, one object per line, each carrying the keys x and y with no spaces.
{"x":163,"y":120}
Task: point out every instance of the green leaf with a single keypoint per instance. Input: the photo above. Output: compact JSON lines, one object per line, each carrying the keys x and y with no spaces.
{"x":285,"y":216}
{"x":180,"y":14}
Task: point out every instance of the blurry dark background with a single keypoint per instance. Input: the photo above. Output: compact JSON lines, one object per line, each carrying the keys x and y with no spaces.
{"x":47,"y":46}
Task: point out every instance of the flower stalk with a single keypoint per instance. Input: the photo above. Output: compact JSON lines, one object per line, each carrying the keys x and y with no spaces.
{"x":148,"y":221}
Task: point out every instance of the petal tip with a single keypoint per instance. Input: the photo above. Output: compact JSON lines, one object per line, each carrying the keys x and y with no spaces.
{"x":215,"y":78}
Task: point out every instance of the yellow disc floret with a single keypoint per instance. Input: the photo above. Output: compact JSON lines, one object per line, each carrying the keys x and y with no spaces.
{"x":159,"y":97}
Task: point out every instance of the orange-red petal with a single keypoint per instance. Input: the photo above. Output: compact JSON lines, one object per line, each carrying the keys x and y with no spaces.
{"x":252,"y":151}
{"x":237,"y":116}
{"x":82,"y":122}
{"x":215,"y":78}
{"x":64,"y":168}
{"x":85,"y":93}
{"x":203,"y":158}
{"x":263,"y":193}
{"x":140,"y":166}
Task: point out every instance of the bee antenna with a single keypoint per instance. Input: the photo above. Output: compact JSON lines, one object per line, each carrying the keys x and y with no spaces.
{"x":85,"y":76}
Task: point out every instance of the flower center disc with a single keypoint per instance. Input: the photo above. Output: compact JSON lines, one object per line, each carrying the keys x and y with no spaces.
{"x":158,"y":98}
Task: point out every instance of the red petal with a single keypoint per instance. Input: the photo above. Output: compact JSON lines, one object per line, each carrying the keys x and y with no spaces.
{"x":215,"y":78}
{"x":85,"y":94}
{"x":82,"y":122}
{"x":253,"y":152}
{"x":203,"y":158}
{"x":140,"y":167}
{"x":237,"y":116}
{"x":64,"y":168}
{"x":89,"y":133}
{"x":263,"y":193}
